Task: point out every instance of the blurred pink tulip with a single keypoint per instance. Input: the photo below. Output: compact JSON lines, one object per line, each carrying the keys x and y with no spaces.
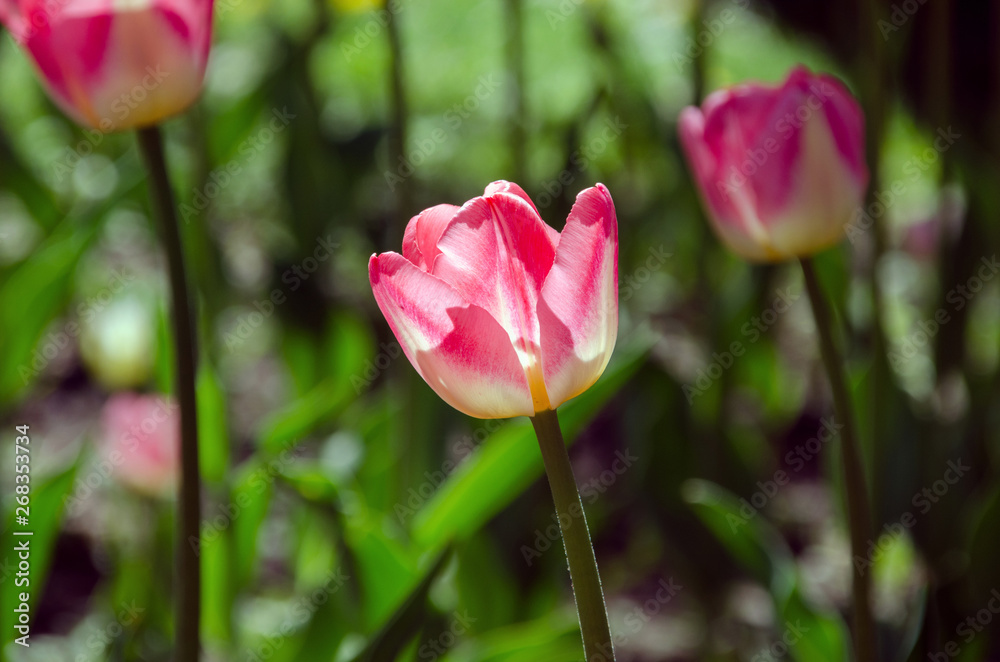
{"x":115,"y":64}
{"x":499,"y":313}
{"x":141,"y":440}
{"x":781,"y":169}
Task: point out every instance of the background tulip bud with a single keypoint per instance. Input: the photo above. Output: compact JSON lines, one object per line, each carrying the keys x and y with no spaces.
{"x":114,"y":65}
{"x":499,"y":313}
{"x":141,"y":438}
{"x":780,"y":169}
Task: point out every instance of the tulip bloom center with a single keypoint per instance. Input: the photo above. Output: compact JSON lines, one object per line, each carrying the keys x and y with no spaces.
{"x":532,"y":363}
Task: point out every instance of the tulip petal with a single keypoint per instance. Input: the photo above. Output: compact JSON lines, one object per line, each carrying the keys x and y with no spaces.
{"x":691,"y":129}
{"x":780,"y":169}
{"x":457,"y":347}
{"x":503,"y":186}
{"x":798,"y":107}
{"x":728,"y":198}
{"x":749,"y":108}
{"x":754,"y":148}
{"x":578,"y":308}
{"x":11,"y":18}
{"x":422,"y":233}
{"x":806,"y":190}
{"x":496,"y":253}
{"x":825,"y":194}
{"x":846,"y":120}
{"x":116,"y":65}
{"x":143,"y":432}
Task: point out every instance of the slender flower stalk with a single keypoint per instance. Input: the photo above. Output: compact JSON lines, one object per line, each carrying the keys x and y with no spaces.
{"x":858,"y":509}
{"x":597,"y":644}
{"x":188,"y":599}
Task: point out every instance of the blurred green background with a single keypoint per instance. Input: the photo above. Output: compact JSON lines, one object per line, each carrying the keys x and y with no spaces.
{"x":335,"y":518}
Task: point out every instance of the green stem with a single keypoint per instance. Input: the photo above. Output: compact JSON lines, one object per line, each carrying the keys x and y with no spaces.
{"x":597,"y":646}
{"x":858,"y":513}
{"x":188,"y":601}
{"x":872,"y":76}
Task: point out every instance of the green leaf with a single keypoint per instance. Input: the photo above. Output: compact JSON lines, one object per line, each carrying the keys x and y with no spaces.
{"x":755,"y":544}
{"x":720,"y":512}
{"x":982,"y":539}
{"x":48,"y":498}
{"x":310,"y":626}
{"x":311,"y":482}
{"x":554,"y":638}
{"x":252,"y":491}
{"x":164,"y":363}
{"x":301,"y":417}
{"x":32,"y":296}
{"x":348,"y":346}
{"x":483,"y":581}
{"x":17,"y":176}
{"x":216,"y":592}
{"x":406,"y":621}
{"x":384,"y":566}
{"x":213,"y":433}
{"x":507,"y":463}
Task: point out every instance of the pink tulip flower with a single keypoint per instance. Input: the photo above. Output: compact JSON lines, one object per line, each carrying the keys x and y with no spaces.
{"x":113,"y":65}
{"x":140,"y":440}
{"x":781,"y":169}
{"x":499,"y":313}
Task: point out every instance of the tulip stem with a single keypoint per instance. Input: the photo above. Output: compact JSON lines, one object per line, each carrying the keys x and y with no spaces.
{"x":188,"y":599}
{"x":597,"y":645}
{"x":858,"y":513}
